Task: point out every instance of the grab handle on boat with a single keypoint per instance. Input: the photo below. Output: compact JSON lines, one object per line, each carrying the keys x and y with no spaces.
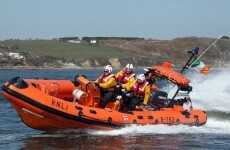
{"x":18,"y":82}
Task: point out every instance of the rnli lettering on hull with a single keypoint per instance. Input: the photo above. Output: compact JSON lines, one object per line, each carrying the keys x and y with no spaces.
{"x":59,"y":104}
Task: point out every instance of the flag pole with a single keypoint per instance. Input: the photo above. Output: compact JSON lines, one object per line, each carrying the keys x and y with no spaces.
{"x":220,"y":37}
{"x":194,"y":52}
{"x":204,"y":52}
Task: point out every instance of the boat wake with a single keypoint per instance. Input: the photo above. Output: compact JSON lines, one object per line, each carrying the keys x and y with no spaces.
{"x":211,"y":127}
{"x":212,"y":92}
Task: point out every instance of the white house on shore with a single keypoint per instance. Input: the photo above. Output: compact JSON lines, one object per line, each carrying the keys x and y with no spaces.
{"x":15,"y":55}
{"x":2,"y":58}
{"x":93,"y":41}
{"x":74,"y":41}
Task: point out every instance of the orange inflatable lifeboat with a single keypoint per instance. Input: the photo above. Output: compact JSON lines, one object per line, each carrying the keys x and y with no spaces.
{"x":63,"y":104}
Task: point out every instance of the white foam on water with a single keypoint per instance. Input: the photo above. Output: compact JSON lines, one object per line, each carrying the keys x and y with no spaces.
{"x":211,"y":92}
{"x":218,"y":124}
{"x":212,"y":127}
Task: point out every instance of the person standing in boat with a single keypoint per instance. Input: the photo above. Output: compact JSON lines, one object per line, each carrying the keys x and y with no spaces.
{"x":125,"y":80}
{"x":141,"y":92}
{"x":106,"y":82}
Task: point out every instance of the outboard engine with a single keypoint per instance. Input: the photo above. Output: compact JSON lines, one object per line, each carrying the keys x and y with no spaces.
{"x":159,"y":99}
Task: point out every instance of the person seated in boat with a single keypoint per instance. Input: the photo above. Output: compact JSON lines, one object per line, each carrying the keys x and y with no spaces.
{"x":140,"y":91}
{"x":106,"y":82}
{"x":125,"y":80}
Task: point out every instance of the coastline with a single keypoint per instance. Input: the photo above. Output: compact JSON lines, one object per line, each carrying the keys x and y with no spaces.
{"x":86,"y":68}
{"x":41,"y":68}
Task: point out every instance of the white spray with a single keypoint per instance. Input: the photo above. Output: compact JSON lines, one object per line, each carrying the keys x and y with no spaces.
{"x":212,"y":92}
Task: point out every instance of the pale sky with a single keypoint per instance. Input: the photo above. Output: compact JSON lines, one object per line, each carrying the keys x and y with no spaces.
{"x":156,"y":19}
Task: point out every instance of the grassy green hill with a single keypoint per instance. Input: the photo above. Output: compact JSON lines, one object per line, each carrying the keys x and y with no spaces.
{"x":64,"y":49}
{"x":117,"y":52}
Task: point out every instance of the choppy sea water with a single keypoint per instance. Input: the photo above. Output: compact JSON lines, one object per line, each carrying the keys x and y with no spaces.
{"x":210,"y":93}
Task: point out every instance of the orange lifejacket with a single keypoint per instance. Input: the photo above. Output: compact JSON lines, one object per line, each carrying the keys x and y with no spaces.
{"x":139,"y":89}
{"x":124,"y":77}
{"x":104,"y":79}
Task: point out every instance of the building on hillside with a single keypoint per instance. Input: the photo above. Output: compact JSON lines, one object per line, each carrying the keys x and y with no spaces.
{"x":93,"y":41}
{"x":15,"y":55}
{"x":2,"y":57}
{"x":69,"y":64}
{"x":88,"y":39}
{"x":66,"y":39}
{"x":75,"y":41}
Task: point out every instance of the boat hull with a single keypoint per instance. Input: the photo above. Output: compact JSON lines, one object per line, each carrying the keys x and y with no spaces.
{"x":55,"y":110}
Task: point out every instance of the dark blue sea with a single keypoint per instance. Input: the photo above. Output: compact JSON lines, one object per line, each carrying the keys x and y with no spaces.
{"x":210,"y":93}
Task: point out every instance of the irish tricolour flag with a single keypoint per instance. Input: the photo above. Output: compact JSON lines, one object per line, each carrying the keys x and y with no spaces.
{"x":201,"y":67}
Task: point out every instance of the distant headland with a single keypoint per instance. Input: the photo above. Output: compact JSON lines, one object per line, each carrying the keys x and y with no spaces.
{"x":96,"y":52}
